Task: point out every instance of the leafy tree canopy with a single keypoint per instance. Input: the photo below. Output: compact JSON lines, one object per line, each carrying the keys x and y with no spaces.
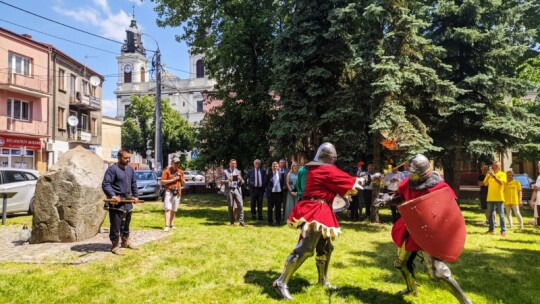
{"x":138,"y":129}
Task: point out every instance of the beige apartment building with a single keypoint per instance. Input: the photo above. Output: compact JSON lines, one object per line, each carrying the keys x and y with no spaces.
{"x":75,"y":106}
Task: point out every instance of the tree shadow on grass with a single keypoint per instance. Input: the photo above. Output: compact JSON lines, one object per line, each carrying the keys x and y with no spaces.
{"x":475,"y":271}
{"x":369,"y":295}
{"x":264,"y":279}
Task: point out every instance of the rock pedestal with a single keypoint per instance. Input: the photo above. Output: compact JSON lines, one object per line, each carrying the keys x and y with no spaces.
{"x":68,"y":204}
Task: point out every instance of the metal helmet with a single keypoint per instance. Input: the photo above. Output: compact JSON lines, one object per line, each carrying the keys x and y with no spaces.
{"x":419,"y":168}
{"x":326,"y":153}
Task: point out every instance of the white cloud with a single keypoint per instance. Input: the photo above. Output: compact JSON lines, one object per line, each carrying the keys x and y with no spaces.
{"x":109,"y":107}
{"x":104,"y":5}
{"x":136,"y":2}
{"x":108,"y":24}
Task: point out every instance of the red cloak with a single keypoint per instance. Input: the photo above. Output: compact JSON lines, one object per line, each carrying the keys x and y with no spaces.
{"x":322,"y":184}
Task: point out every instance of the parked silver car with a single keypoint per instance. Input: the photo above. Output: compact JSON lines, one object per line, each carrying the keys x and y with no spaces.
{"x":193,"y":176}
{"x":147,"y":184}
{"x":23,"y":182}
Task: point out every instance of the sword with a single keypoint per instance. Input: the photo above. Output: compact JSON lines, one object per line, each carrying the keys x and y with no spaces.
{"x":112,"y":201}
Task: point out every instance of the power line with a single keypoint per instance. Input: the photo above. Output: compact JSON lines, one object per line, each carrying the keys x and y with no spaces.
{"x":60,"y":23}
{"x":78,"y":43}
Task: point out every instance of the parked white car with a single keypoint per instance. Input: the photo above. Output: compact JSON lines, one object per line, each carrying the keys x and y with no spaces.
{"x":193,"y":176}
{"x":23,"y":182}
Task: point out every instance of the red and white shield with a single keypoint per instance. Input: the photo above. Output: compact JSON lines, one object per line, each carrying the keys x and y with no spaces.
{"x":435,"y":222}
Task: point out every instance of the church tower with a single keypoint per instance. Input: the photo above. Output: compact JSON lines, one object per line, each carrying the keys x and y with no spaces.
{"x":132,"y":68}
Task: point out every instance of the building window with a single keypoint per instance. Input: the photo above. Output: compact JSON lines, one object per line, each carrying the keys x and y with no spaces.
{"x":143,"y":74}
{"x":72,"y":86}
{"x":127,"y":77}
{"x":199,"y":106}
{"x":20,"y":65}
{"x":200,"y":68}
{"x":18,"y":109}
{"x":61,"y":80}
{"x":93,"y":126}
{"x":84,"y":122}
{"x":85,"y":85}
{"x":61,"y":118}
{"x":92,"y":90}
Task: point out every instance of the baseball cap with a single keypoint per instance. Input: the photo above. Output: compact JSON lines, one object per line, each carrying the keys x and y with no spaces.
{"x":176,"y":159}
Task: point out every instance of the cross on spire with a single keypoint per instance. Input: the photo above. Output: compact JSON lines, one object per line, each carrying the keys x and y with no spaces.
{"x":133,"y":14}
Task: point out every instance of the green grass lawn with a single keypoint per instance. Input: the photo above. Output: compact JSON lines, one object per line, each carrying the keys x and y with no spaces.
{"x":206,"y":261}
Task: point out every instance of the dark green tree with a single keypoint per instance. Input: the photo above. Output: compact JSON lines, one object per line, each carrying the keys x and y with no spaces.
{"x":404,"y":94}
{"x":484,"y":42}
{"x":137,"y":127}
{"x":236,"y":39}
{"x":311,"y":75}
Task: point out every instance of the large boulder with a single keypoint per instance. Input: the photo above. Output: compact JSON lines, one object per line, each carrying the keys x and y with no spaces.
{"x":68,"y":204}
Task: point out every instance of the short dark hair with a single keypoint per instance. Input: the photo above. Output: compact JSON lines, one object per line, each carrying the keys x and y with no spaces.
{"x":122,"y":151}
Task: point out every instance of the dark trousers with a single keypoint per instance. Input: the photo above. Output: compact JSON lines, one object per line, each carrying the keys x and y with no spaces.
{"x":257,"y":195}
{"x":274,"y":206}
{"x":355,"y":205}
{"x":119,"y":224}
{"x":366,"y":195}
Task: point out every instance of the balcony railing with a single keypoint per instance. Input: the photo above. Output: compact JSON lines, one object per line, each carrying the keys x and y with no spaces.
{"x":32,"y":127}
{"x":83,"y":136}
{"x":84,"y":101}
{"x":36,"y":85}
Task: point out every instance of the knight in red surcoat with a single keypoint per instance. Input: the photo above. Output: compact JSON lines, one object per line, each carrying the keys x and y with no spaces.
{"x":421,"y":181}
{"x":314,"y":215}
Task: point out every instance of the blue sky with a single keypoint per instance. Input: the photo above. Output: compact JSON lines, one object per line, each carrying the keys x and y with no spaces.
{"x":107,"y":18}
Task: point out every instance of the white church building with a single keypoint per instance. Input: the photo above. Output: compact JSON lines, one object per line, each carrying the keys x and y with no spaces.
{"x":186,"y":95}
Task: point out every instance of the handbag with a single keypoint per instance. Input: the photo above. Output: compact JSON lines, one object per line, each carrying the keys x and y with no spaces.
{"x":162,"y":193}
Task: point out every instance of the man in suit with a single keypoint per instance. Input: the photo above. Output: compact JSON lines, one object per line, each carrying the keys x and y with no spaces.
{"x":256,"y":178}
{"x":232,"y":178}
{"x":274,"y":185}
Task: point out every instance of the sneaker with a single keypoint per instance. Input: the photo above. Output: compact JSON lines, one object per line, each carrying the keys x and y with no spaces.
{"x":173,"y":227}
{"x":166,"y":229}
{"x":490,"y":232}
{"x":503,"y":234}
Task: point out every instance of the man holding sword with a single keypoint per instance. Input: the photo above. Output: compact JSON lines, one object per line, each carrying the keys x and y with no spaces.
{"x":119,"y":185}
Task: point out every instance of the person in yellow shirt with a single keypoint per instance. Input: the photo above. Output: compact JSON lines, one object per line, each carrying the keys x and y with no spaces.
{"x":495,"y":180}
{"x":512,"y":198}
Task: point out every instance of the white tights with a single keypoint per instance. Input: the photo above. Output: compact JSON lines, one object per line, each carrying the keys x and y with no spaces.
{"x":509,"y":210}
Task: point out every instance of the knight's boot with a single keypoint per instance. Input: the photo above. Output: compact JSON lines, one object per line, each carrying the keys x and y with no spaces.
{"x":127,"y":244}
{"x":401,"y":264}
{"x":438,"y":270}
{"x":116,"y":247}
{"x":322,"y":269}
{"x":293,"y":262}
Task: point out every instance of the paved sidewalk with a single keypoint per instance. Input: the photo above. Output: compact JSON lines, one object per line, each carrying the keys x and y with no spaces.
{"x":97,"y":247}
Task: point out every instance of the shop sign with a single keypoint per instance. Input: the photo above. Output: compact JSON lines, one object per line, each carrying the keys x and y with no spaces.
{"x":8,"y":141}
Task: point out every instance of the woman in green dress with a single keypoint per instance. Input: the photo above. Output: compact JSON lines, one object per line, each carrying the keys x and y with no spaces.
{"x":292,"y":194}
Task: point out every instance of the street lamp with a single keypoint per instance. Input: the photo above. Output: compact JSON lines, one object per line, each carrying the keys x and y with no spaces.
{"x":158,"y":146}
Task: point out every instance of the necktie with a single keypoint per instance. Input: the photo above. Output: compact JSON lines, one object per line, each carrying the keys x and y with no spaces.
{"x":257,"y":184}
{"x":276,"y":182}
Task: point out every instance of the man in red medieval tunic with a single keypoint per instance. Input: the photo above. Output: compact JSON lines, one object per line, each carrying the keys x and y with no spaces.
{"x":314,"y":215}
{"x":421,"y":181}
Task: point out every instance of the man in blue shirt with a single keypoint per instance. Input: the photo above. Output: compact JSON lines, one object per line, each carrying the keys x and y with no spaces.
{"x":119,"y":184}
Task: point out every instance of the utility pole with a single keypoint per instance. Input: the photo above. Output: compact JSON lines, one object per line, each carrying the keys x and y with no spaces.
{"x":158,"y":148}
